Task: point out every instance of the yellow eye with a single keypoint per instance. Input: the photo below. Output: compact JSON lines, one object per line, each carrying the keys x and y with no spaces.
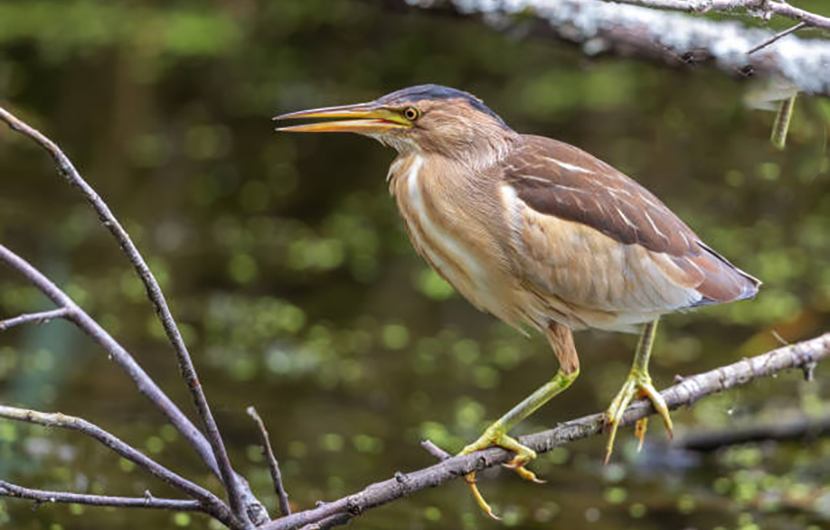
{"x":411,"y":113}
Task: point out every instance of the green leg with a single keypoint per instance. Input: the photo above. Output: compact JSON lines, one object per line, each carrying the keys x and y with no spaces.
{"x":496,"y":434}
{"x":637,"y":384}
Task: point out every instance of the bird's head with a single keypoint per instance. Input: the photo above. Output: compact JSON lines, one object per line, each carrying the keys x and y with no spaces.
{"x":425,"y":118}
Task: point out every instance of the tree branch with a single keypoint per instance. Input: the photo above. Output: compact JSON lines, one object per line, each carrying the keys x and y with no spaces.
{"x":763,"y":7}
{"x":243,"y":503}
{"x":212,"y":504}
{"x":8,"y":489}
{"x":802,"y":355}
{"x":675,"y":39}
{"x":38,"y":318}
{"x":804,"y":428}
{"x":273,"y":465}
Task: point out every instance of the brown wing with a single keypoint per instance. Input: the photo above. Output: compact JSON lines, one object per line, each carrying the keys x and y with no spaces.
{"x":557,"y":179}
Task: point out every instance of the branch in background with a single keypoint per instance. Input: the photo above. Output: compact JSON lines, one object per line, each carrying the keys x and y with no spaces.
{"x":800,"y":429}
{"x":802,"y":355}
{"x":676,"y":39}
{"x":37,"y":318}
{"x":273,"y":465}
{"x":209,"y":501}
{"x":156,"y":296}
{"x":148,"y":502}
{"x":765,"y":8}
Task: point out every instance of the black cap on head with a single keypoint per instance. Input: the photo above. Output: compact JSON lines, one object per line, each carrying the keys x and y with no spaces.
{"x":420,"y":92}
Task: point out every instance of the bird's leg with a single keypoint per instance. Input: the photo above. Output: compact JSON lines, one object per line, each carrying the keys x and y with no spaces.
{"x":496,"y":434}
{"x":638,"y":384}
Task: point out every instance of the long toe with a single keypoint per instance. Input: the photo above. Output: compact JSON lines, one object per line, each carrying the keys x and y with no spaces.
{"x":638,"y":384}
{"x":648,"y":390}
{"x":494,"y":437}
{"x":614,"y":414}
{"x":482,"y":503}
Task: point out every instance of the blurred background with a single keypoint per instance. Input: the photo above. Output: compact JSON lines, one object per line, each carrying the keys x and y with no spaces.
{"x":287,"y":265}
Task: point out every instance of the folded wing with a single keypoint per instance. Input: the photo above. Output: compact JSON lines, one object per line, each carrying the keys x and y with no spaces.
{"x":589,"y":235}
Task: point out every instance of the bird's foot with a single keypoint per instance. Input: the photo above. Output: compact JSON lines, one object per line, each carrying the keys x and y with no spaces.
{"x":495,"y":436}
{"x":638,"y":384}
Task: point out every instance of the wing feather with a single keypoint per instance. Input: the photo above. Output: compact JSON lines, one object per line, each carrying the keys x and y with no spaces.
{"x":563,"y":182}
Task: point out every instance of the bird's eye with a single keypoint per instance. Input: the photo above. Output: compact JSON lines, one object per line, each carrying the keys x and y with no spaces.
{"x":411,"y":113}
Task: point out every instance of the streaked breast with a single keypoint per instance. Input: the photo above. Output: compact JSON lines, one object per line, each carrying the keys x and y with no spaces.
{"x":456,"y":245}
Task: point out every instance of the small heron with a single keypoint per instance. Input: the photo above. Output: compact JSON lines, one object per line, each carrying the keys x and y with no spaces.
{"x":539,"y":233}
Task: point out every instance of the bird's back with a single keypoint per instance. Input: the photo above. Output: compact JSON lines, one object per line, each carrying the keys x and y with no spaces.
{"x":595,"y":240}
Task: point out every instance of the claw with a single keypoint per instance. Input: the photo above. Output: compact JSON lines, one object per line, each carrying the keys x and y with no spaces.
{"x":640,"y":432}
{"x":637,"y":384}
{"x":495,"y":436}
{"x":471,"y":482}
{"x":525,"y":473}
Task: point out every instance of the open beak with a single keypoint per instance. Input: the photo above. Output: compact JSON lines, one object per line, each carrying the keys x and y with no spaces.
{"x":364,"y":118}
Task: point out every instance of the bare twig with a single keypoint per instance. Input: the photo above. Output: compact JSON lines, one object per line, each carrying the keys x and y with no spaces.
{"x":777,"y":36}
{"x":687,"y":392}
{"x":41,"y":496}
{"x":434,"y":450}
{"x":38,"y":318}
{"x":118,"y":354}
{"x":212,"y":504}
{"x":219,"y":462}
{"x":629,"y":28}
{"x":273,"y":465}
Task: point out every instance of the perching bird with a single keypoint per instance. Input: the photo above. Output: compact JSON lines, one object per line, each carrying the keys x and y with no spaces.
{"x":540,"y":234}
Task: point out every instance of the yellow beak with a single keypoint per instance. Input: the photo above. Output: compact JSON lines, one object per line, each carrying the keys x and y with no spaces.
{"x":365,"y":118}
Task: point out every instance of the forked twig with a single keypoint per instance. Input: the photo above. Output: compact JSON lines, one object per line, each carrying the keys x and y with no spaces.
{"x":211,"y":503}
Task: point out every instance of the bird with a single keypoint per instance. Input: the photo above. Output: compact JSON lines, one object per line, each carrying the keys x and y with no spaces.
{"x":540,"y":234}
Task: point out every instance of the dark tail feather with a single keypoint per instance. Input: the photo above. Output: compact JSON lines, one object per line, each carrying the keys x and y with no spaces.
{"x":724,"y":282}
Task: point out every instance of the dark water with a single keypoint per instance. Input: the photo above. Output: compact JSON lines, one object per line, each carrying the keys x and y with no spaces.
{"x":286,"y":264}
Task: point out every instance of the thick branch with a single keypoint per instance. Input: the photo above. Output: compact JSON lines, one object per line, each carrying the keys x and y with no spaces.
{"x":803,"y":355}
{"x":37,"y":318}
{"x":40,"y":496}
{"x":218,"y":460}
{"x":211,"y":503}
{"x":675,"y":39}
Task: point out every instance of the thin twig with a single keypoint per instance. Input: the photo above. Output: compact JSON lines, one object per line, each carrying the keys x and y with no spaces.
{"x":434,"y":450}
{"x":687,"y":392}
{"x":67,"y":170}
{"x":777,"y":36}
{"x":8,"y":489}
{"x":273,"y":465}
{"x":38,"y":318}
{"x":211,"y":503}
